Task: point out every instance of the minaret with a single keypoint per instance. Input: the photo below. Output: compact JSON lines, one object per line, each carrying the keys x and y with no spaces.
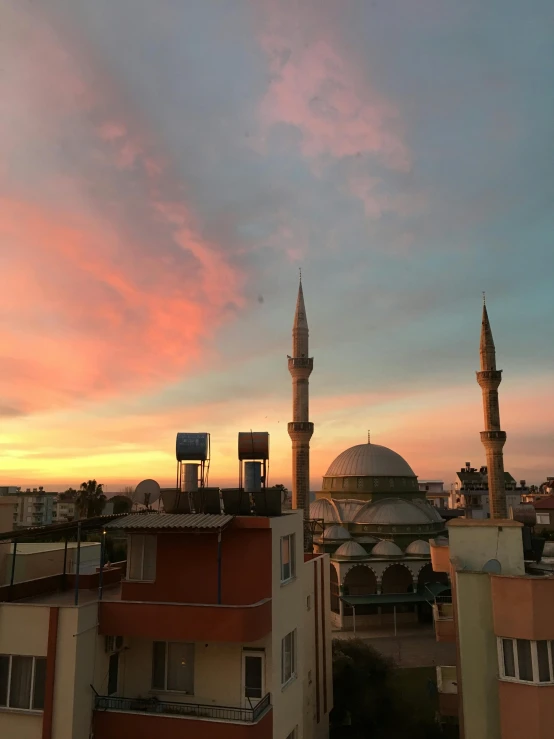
{"x":301,"y":430}
{"x":493,"y":439}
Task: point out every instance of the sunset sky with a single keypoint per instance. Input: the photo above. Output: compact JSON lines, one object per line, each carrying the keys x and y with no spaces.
{"x":166,"y":167}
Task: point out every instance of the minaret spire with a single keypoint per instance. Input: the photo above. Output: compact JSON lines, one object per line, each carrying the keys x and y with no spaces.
{"x":301,"y":429}
{"x":493,"y":438}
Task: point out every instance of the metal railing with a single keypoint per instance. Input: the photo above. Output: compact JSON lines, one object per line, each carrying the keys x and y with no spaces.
{"x":194,"y":710}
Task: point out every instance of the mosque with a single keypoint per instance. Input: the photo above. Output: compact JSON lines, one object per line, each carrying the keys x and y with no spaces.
{"x":370,"y":516}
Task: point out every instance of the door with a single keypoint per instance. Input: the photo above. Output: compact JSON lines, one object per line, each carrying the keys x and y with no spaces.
{"x":113,"y":673}
{"x":253,"y":669}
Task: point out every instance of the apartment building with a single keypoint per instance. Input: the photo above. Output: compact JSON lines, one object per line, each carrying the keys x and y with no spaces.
{"x":219,"y":629}
{"x":500,"y":617}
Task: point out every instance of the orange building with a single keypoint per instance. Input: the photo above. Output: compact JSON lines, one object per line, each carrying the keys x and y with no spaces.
{"x":219,"y":629}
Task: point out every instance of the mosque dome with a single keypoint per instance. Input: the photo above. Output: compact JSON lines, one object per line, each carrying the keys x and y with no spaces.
{"x":365,"y":460}
{"x":386,"y":549}
{"x":347,"y":508}
{"x":350,"y":550}
{"x":396,"y":512}
{"x":418,"y":548}
{"x":324,"y":509}
{"x":336,"y":533}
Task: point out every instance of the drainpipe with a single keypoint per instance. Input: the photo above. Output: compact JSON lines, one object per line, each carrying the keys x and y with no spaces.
{"x":78,"y":563}
{"x":219,"y":567}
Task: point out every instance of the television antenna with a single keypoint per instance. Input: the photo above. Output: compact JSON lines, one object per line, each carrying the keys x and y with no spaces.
{"x":146,"y":493}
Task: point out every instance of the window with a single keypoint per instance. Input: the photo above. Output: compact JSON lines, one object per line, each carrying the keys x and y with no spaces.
{"x":526,"y":661}
{"x":173,"y":667}
{"x":308,"y":602}
{"x":288,"y":657}
{"x":360,"y":482}
{"x":288,"y":563}
{"x":543,"y":518}
{"x":22,"y":681}
{"x":293,"y":734}
{"x":142,"y":557}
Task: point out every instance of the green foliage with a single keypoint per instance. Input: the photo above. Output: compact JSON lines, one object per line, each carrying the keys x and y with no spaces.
{"x":121,"y":503}
{"x":90,"y":499}
{"x":368,"y":697}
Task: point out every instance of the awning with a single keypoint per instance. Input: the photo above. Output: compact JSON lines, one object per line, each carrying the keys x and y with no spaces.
{"x":375,"y":599}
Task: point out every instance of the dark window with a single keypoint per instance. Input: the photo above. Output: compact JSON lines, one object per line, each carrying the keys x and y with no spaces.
{"x":509,"y":663}
{"x":253,"y":667}
{"x":524,"y":660}
{"x":542,"y":659}
{"x":4,"y":671}
{"x":113,"y":673}
{"x":158,"y":666}
{"x":40,"y":683}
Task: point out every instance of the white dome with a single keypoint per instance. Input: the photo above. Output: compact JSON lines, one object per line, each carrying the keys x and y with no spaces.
{"x":323,"y":508}
{"x":386,"y":549}
{"x":350,"y":549}
{"x":336,"y":533}
{"x":369,"y":459}
{"x":396,"y":512}
{"x":347,"y":508}
{"x":419,"y":548}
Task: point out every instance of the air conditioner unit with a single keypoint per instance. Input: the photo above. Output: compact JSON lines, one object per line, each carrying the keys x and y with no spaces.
{"x":113,"y":644}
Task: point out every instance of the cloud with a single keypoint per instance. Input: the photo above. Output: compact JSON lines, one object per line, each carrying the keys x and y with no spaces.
{"x":320,"y":88}
{"x":110,"y":284}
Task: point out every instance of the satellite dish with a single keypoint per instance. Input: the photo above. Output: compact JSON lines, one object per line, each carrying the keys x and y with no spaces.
{"x":493,"y":566}
{"x":146,"y":493}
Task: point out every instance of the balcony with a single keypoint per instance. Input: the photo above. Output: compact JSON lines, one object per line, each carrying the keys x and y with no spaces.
{"x":143,"y":718}
{"x":185,"y":621}
{"x":443,"y":616}
{"x":447,"y":685}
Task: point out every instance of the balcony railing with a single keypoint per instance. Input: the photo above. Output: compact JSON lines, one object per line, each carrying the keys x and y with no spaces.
{"x":194,"y":710}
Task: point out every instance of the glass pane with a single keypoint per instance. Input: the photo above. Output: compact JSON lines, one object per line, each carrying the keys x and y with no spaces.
{"x":135,"y":560}
{"x":542,"y":659}
{"x":509,"y":663}
{"x":149,"y":566}
{"x":40,"y":682}
{"x":158,"y":665}
{"x":524,"y":660}
{"x":287,"y":658}
{"x":4,"y":670}
{"x":20,"y":686}
{"x":253,"y":676}
{"x":285,"y":558}
{"x":113,"y":671}
{"x":292,"y":557}
{"x":180,"y":667}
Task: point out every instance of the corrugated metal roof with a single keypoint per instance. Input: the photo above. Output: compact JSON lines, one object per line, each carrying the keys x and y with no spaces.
{"x":198,"y":521}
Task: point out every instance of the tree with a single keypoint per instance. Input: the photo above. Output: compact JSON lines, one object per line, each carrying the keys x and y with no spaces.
{"x":367,"y":697}
{"x":285,"y":493}
{"x":121,"y":503}
{"x":90,"y":499}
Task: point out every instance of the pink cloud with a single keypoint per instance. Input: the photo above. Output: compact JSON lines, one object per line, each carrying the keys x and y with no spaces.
{"x":109,"y":282}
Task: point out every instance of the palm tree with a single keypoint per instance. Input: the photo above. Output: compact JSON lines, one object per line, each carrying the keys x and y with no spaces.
{"x":90,"y":499}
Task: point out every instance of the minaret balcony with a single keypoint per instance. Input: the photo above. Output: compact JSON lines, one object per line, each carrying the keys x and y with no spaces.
{"x":493,"y":436}
{"x":301,"y":363}
{"x":300,"y":430}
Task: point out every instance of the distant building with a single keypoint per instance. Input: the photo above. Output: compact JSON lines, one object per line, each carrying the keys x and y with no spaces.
{"x":545,"y":513}
{"x":472,"y":491}
{"x":65,"y":508}
{"x":35,"y":507}
{"x":435,"y":492}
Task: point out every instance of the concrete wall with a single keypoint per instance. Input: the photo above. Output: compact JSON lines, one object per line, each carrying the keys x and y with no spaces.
{"x":473,"y":543}
{"x":288,"y":614}
{"x":478,"y":656}
{"x":32,"y":562}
